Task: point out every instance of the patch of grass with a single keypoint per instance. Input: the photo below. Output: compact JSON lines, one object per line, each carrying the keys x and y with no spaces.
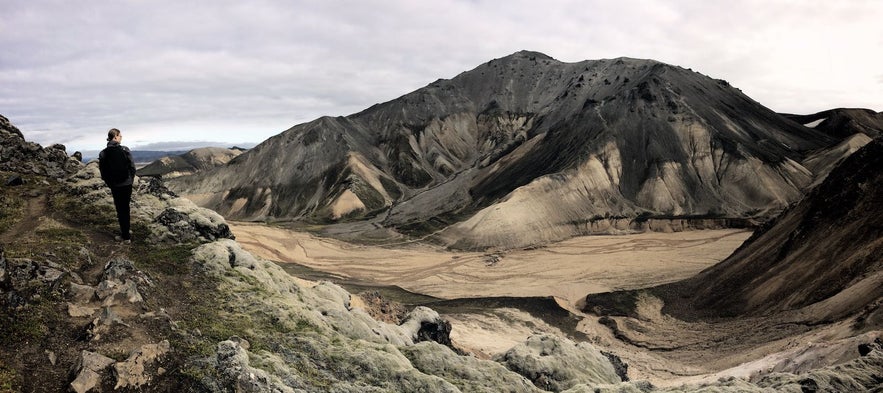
{"x":59,"y":245}
{"x":141,"y":231}
{"x":65,"y":236}
{"x":252,"y":283}
{"x":88,"y":213}
{"x":169,"y":260}
{"x":10,"y":211}
{"x":211,"y":326}
{"x":32,"y":321}
{"x":9,"y":379}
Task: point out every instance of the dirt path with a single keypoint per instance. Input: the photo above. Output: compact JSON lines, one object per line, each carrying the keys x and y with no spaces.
{"x":33,"y":209}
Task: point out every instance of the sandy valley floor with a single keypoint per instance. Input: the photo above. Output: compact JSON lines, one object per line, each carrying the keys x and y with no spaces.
{"x":568,"y":270}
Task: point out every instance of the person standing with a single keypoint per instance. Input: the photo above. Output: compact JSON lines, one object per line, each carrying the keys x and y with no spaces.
{"x":118,"y":172}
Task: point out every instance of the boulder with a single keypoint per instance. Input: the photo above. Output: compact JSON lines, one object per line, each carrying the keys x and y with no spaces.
{"x":233,"y":366}
{"x":141,"y":366}
{"x":14,"y":180}
{"x":556,"y":364}
{"x":88,"y":371}
{"x":186,"y":222}
{"x":119,"y":284}
{"x":25,"y":157}
{"x":81,"y":293}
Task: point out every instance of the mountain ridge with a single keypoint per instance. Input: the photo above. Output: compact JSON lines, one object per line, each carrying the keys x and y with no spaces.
{"x":607,"y":138}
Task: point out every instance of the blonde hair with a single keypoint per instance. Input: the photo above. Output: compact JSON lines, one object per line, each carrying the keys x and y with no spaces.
{"x":112,"y":134}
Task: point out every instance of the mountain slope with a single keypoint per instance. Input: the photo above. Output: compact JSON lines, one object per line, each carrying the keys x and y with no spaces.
{"x":843,"y":122}
{"x":814,"y":274}
{"x":819,"y":261}
{"x":853,"y":126}
{"x":524,"y":150}
{"x":824,"y":255}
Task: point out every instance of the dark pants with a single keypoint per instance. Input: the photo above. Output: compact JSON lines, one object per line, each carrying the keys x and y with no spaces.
{"x":121,"y":198}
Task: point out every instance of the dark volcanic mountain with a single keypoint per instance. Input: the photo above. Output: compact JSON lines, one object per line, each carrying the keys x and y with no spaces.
{"x":856,"y":127}
{"x":524,"y":150}
{"x":843,"y":122}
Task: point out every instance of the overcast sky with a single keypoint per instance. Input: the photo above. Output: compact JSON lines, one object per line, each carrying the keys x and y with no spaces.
{"x":241,"y":71}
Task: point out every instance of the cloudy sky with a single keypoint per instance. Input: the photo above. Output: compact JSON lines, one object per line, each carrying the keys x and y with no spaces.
{"x":171,"y":72}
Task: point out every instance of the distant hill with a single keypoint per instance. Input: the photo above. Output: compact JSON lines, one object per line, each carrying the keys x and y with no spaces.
{"x":190,"y":162}
{"x":141,"y":157}
{"x":524,"y":150}
{"x":147,"y":156}
{"x":854,"y":126}
{"x":843,"y":122}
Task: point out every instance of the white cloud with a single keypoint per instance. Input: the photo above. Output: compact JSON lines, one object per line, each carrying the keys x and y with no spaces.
{"x":242,"y":71}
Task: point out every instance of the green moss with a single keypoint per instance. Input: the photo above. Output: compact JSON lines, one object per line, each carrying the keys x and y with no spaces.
{"x":9,"y":379}
{"x":65,"y":236}
{"x":10,"y":211}
{"x":303,"y":325}
{"x":65,"y":253}
{"x":251,"y":284}
{"x":77,"y":210}
{"x":212,"y":326}
{"x":32,"y":321}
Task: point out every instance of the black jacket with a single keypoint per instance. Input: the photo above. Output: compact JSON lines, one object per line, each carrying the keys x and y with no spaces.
{"x":116,"y":165}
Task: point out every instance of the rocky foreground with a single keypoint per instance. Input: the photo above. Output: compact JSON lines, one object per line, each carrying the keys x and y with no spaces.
{"x":184,"y":308}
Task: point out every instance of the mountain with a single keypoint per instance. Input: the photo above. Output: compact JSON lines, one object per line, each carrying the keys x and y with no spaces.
{"x":855,"y":127}
{"x":843,"y":122}
{"x":190,"y":162}
{"x":141,"y":157}
{"x":524,"y":150}
{"x":823,"y":255}
{"x":821,"y":259}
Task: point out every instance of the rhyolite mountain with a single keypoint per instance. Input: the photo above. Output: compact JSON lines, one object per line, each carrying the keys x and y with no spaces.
{"x":821,"y":260}
{"x":188,"y":163}
{"x":824,"y":255}
{"x":524,"y":150}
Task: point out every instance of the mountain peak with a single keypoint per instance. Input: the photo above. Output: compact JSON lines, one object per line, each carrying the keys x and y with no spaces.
{"x":533,"y":55}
